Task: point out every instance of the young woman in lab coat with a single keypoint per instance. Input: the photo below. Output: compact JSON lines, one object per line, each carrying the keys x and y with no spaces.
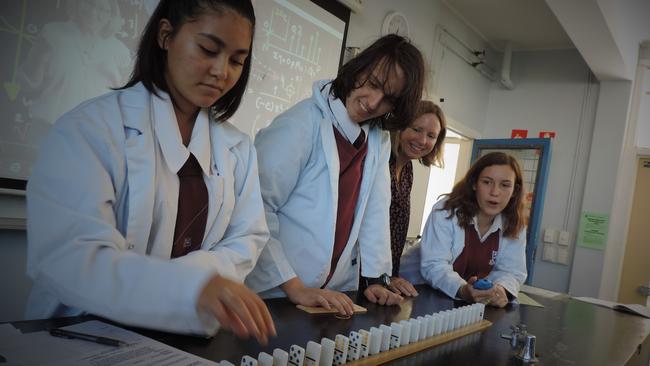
{"x":422,"y":140}
{"x":104,"y":195}
{"x":478,"y":231}
{"x":325,"y":181}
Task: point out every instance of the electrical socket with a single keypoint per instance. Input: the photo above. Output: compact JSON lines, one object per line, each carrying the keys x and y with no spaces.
{"x":563,"y":238}
{"x":563,"y":255}
{"x":549,"y":253}
{"x":550,"y":235}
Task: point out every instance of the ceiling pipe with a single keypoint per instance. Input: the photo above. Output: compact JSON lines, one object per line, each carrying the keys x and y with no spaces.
{"x":505,"y":67}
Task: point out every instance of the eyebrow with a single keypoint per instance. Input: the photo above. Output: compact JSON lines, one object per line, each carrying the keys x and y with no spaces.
{"x":220,"y":43}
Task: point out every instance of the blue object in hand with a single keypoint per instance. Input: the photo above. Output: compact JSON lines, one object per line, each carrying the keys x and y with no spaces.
{"x":483,"y":284}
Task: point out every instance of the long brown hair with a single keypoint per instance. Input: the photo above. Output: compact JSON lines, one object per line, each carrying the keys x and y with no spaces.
{"x":462,"y":199}
{"x":386,"y":53}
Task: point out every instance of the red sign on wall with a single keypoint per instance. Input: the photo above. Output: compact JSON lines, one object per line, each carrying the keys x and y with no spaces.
{"x":547,"y":134}
{"x":519,"y":134}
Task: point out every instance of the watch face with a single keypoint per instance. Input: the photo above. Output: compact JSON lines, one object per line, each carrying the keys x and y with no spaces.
{"x":385,"y":280}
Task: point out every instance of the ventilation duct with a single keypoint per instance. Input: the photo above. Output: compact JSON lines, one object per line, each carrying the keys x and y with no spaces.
{"x":505,"y":67}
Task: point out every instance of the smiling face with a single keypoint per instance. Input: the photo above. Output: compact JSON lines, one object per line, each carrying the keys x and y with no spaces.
{"x":418,"y":139}
{"x":494,"y":188}
{"x":377,"y":95}
{"x":205,"y":57}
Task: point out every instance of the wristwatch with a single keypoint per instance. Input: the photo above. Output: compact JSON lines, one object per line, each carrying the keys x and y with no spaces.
{"x":383,"y":280}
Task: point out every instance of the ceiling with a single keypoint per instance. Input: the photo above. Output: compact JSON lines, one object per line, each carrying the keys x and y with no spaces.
{"x":529,"y":24}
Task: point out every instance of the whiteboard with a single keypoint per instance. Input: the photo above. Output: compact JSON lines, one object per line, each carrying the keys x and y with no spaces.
{"x":57,"y":53}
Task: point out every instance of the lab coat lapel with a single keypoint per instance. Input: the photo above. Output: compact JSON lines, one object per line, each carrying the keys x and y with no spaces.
{"x":140,"y":160}
{"x":333,"y":165}
{"x":220,"y":178}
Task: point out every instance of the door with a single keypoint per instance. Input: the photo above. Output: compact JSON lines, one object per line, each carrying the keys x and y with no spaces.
{"x":636,"y":272}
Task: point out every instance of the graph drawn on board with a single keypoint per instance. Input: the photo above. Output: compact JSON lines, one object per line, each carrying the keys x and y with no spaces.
{"x":293,"y":47}
{"x":58,"y":53}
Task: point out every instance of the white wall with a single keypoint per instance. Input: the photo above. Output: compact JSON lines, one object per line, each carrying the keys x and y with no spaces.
{"x":552,"y":93}
{"x":606,"y":149}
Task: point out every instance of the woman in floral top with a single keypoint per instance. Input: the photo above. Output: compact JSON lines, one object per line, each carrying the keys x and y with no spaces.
{"x":421,"y":140}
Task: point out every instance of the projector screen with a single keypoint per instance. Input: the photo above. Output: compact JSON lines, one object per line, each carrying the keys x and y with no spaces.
{"x":58,"y":53}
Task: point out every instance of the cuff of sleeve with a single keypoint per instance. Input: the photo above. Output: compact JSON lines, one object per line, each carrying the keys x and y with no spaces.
{"x":199,"y":323}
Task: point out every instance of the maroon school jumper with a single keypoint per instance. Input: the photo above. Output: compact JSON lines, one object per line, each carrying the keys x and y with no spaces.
{"x":477,"y":259}
{"x":351,"y":158}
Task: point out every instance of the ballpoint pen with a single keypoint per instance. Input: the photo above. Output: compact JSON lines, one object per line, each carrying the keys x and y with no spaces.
{"x":87,"y":337}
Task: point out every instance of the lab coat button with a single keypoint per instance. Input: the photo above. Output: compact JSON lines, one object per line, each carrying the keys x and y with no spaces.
{"x":131,"y":246}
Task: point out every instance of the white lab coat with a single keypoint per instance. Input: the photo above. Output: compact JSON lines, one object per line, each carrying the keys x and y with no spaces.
{"x":299,"y":178}
{"x":91,"y":202}
{"x":443,"y":241}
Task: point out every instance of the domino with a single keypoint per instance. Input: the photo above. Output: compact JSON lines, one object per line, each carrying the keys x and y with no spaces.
{"x":406,"y":332}
{"x":424,"y":323}
{"x":445,"y":321}
{"x":395,"y":335}
{"x":431,"y":323}
{"x":354,"y":346}
{"x":341,"y":344}
{"x":312,"y":354}
{"x":327,"y":352}
{"x":415,"y":330}
{"x":296,"y":355}
{"x":280,"y":357}
{"x":437,"y":324}
{"x":365,"y":343}
{"x":248,"y":361}
{"x":264,"y":359}
{"x":385,"y":337}
{"x":376,"y":336}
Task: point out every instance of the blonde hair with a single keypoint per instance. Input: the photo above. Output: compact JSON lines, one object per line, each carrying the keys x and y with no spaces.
{"x":435,"y":157}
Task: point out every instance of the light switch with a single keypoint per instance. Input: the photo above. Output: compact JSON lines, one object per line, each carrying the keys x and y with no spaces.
{"x":549,"y":253}
{"x":563,"y":238}
{"x":550,"y":235}
{"x":563,"y":255}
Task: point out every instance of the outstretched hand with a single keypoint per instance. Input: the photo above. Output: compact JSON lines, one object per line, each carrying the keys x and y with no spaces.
{"x":401,"y":286}
{"x":237,"y":308}
{"x":299,"y":294}
{"x":378,"y":294}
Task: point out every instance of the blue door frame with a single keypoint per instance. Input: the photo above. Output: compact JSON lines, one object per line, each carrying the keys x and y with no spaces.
{"x":544,"y":145}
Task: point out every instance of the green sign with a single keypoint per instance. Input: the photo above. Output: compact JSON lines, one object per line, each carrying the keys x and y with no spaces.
{"x":593,"y":230}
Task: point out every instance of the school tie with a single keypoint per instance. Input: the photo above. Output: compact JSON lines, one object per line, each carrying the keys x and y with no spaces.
{"x":360,"y":140}
{"x":192,"y":209}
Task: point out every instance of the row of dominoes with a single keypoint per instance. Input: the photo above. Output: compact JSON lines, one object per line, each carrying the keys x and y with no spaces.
{"x":364,"y":343}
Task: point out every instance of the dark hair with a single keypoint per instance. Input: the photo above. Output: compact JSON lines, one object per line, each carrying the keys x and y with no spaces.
{"x":462,"y":199}
{"x":386,"y":54}
{"x":435,"y":157}
{"x":151,"y":59}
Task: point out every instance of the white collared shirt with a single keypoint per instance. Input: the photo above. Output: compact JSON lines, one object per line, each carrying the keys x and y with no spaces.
{"x":171,"y":155}
{"x":338,"y":113}
{"x":497,"y":224}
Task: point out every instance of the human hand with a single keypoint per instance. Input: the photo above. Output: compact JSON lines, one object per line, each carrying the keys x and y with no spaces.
{"x":237,"y":308}
{"x":378,"y":294}
{"x":500,"y":298}
{"x":468,"y":293}
{"x":402,"y":287}
{"x":298,"y":293}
